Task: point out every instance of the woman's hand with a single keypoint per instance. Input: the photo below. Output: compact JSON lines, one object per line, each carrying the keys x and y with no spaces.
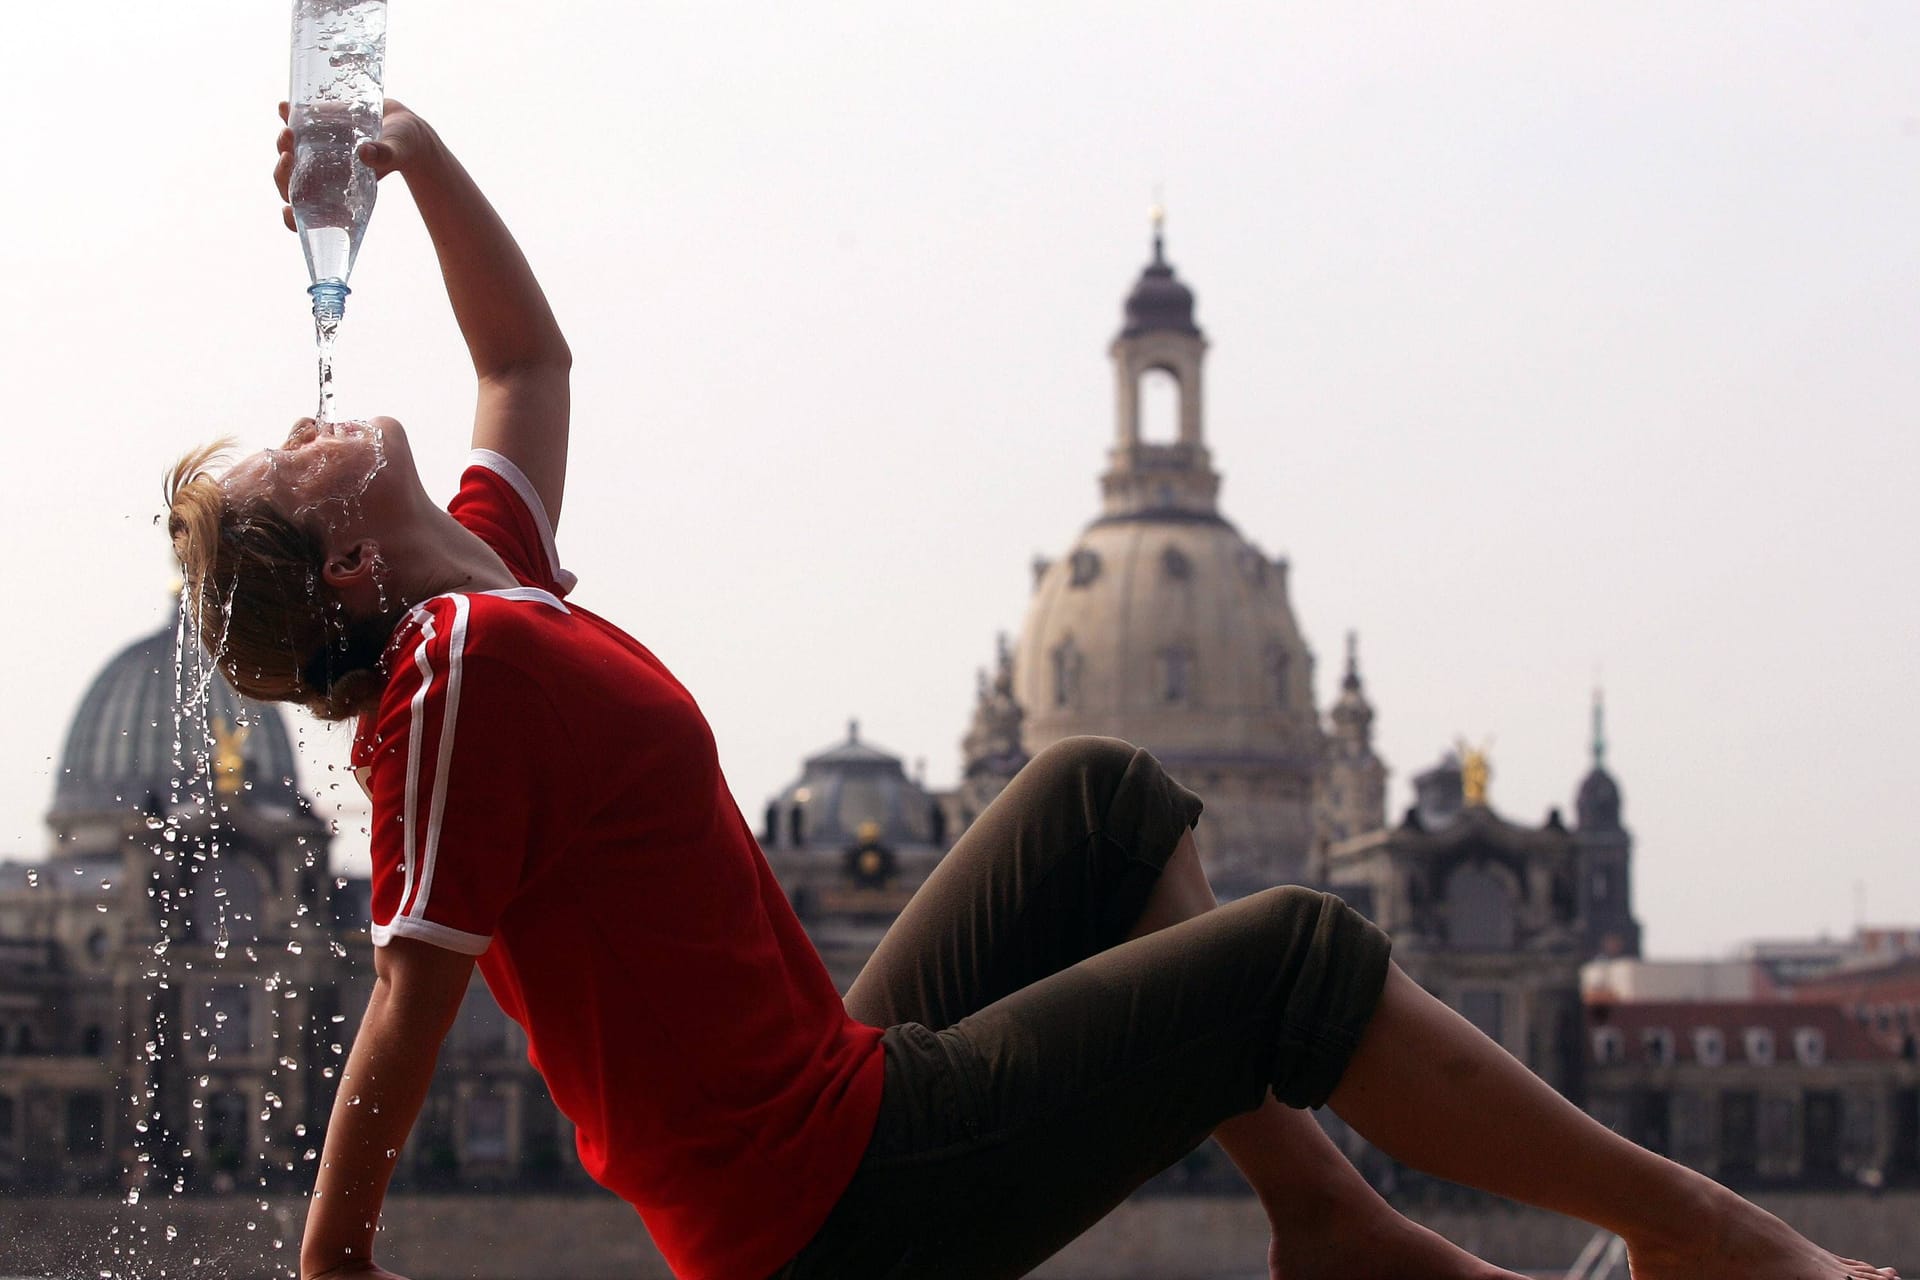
{"x":404,"y":139}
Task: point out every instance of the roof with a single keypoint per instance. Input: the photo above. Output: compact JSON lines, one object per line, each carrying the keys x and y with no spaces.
{"x":1845,"y":1039}
{"x":1896,"y":982}
{"x":120,"y":747}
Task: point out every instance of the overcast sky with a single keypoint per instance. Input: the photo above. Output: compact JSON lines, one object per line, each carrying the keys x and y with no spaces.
{"x":1549,"y":341}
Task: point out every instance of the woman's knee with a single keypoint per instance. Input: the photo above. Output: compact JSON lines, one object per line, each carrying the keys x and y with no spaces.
{"x":1086,"y":762}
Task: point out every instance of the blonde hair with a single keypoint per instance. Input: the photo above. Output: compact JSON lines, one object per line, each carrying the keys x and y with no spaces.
{"x":255,"y":595}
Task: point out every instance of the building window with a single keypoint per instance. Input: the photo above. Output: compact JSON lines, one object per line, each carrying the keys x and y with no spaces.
{"x":86,"y":1124}
{"x":226,"y":1131}
{"x":1083,"y":567}
{"x":1809,"y":1046}
{"x":1657,"y":1044}
{"x":1479,"y":911}
{"x":224,"y":1022}
{"x":1608,"y":1046}
{"x":92,"y":1040}
{"x":6,"y":1121}
{"x":482,"y":1027}
{"x":1066,"y":674}
{"x":1176,"y":674}
{"x":1279,"y":665}
{"x":23,"y":1039}
{"x":1158,"y":397}
{"x":1599,"y":886}
{"x":486,"y":1127}
{"x":1709,"y":1046}
{"x":1759,"y":1046}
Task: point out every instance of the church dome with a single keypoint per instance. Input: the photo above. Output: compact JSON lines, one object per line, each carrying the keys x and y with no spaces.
{"x":1175,"y":633}
{"x":120,"y":746}
{"x":851,"y":793}
{"x":1598,"y":804}
{"x":1159,"y":301}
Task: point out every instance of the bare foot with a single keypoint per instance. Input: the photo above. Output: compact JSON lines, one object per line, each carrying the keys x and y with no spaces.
{"x":1377,"y":1243}
{"x":1741,"y":1241}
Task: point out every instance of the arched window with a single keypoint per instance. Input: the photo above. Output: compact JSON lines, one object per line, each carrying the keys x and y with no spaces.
{"x":1709,"y":1046}
{"x":485,"y":1127}
{"x":223,"y":1022}
{"x":1159,"y":407}
{"x":1479,"y":910}
{"x":226,"y":1131}
{"x":1760,"y":1046}
{"x":1279,"y":668}
{"x":1066,"y":674}
{"x":226,"y":890}
{"x":1176,"y":674}
{"x":1608,"y":1046}
{"x":86,"y":1124}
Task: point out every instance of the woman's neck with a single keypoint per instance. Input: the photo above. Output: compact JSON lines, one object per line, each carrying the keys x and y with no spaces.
{"x":441,"y":555}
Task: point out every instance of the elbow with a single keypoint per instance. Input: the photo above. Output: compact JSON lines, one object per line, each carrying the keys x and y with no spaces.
{"x":551,"y":363}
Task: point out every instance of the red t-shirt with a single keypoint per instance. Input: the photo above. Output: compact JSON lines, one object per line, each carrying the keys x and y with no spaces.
{"x":547,"y":797}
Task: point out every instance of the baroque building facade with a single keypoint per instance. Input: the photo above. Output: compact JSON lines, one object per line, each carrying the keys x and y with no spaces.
{"x":180,"y":976}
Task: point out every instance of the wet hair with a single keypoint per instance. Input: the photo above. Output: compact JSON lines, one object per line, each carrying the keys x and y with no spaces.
{"x":255,"y":595}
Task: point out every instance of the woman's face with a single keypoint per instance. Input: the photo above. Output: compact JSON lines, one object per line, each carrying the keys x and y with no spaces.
{"x":329,"y":477}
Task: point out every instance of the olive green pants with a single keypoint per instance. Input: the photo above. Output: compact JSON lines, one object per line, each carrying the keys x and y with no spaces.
{"x":1038,"y":1067}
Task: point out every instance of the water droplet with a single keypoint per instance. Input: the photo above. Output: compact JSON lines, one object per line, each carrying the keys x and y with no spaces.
{"x":133,"y":1195}
{"x":354,"y":1101}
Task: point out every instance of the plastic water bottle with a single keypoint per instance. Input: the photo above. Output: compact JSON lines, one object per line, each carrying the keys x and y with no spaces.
{"x":335,"y":104}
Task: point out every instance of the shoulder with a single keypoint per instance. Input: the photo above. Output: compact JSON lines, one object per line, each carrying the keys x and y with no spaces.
{"x":499,"y":503}
{"x":453,"y":651}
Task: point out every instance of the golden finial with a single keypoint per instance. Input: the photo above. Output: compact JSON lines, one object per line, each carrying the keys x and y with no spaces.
{"x":229,"y":759}
{"x":1476,"y":770}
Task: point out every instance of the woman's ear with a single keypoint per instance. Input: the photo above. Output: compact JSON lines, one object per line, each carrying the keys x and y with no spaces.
{"x":351,"y":570}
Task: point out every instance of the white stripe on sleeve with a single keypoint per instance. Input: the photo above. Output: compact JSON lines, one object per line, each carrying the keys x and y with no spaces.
{"x":416,"y":726}
{"x":456,"y":645}
{"x":504,"y":467}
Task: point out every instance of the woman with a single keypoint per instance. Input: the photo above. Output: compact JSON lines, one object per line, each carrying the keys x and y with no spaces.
{"x":1060,"y":1012}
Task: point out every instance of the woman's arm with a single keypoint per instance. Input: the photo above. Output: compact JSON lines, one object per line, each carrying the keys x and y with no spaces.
{"x":417,"y":990}
{"x":519,"y":354}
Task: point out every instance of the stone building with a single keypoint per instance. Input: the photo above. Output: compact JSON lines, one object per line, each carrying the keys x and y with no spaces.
{"x":1484,"y":913}
{"x":1751,"y":1093}
{"x":1606,"y":856}
{"x":849,"y":841}
{"x":1165,"y":625}
{"x":181,"y":975}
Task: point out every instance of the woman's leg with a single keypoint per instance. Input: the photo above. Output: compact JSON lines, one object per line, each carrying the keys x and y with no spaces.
{"x":1057,"y":869}
{"x":1428,"y":1089}
{"x":1327,"y":1221}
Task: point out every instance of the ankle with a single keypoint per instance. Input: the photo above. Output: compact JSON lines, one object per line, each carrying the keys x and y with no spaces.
{"x":1687,"y":1219}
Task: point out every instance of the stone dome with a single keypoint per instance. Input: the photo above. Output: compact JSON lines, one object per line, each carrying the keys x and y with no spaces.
{"x":1159,"y":301}
{"x":1177,"y":633}
{"x":1164,"y":626}
{"x":120,"y":745}
{"x":1597,"y":807}
{"x":847,"y":793}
